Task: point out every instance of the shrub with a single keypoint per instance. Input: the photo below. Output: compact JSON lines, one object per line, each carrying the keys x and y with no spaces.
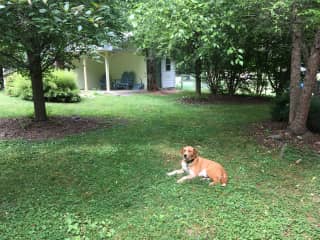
{"x":314,"y":115}
{"x":16,"y":84}
{"x":280,"y":108}
{"x":58,"y":86}
{"x":280,"y":111}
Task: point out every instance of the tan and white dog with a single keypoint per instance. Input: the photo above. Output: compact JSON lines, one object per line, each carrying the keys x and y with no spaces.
{"x":197,"y":166}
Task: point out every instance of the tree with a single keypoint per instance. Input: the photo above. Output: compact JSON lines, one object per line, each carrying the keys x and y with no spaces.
{"x":41,"y":32}
{"x":1,"y":77}
{"x":305,"y":51}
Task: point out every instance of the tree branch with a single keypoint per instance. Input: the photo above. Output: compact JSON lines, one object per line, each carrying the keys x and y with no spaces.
{"x":14,"y":59}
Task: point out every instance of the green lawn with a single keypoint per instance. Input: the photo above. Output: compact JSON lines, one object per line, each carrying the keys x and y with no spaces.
{"x":112,"y":182}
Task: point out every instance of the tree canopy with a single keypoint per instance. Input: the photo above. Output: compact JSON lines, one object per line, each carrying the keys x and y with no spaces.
{"x":236,"y":36}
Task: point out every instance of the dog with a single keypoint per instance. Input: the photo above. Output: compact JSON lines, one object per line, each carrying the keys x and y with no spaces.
{"x":197,"y":166}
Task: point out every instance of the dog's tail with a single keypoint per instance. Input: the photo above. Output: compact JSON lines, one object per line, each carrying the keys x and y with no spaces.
{"x":224,"y":179}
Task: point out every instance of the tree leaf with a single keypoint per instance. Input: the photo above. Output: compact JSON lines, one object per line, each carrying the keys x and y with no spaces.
{"x":42,"y":10}
{"x":230,"y":51}
{"x":66,"y":6}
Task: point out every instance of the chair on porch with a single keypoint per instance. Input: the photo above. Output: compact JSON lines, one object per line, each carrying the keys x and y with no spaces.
{"x":102,"y":82}
{"x":126,"y":81}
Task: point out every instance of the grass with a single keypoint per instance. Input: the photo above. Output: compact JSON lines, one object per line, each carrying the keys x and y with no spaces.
{"x":112,"y":183}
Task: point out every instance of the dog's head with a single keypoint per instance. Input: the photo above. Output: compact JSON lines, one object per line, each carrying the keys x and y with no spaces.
{"x":189,"y":153}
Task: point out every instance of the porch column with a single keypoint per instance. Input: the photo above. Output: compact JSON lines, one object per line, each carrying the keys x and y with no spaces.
{"x":106,"y":63}
{"x":85,"y":77}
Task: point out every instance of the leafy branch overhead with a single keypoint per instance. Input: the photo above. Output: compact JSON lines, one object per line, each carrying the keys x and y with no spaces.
{"x":56,"y":30}
{"x":187,"y":29}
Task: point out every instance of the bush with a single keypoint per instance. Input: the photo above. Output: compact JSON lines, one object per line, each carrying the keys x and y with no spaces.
{"x":58,"y":86}
{"x":280,"y":108}
{"x":17,"y":84}
{"x":280,"y":111}
{"x":314,"y":115}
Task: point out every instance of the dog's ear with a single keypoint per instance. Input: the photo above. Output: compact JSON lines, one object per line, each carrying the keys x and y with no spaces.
{"x":181,"y":151}
{"x":195,"y":153}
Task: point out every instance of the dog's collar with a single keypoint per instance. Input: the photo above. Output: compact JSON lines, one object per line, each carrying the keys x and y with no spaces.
{"x":189,"y":161}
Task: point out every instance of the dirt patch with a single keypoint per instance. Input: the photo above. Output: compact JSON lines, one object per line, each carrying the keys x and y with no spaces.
{"x":55,"y":127}
{"x":275,"y":135}
{"x":224,"y":99}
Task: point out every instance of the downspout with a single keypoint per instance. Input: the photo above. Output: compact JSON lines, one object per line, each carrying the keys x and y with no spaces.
{"x":85,"y":77}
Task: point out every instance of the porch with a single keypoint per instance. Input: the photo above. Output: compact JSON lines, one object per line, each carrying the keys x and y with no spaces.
{"x":105,"y":71}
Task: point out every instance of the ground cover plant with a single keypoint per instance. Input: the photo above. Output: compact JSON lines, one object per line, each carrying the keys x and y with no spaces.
{"x":112,"y":183}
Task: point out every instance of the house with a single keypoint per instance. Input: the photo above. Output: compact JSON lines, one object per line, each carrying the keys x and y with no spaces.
{"x":106,"y":71}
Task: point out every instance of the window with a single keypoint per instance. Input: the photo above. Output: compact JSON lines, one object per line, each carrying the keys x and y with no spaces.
{"x":168,"y":65}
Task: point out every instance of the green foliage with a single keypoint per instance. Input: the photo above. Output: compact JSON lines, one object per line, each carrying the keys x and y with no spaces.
{"x":313,"y":122}
{"x":17,"y":84}
{"x":84,"y":228}
{"x":280,"y":111}
{"x":48,"y":28}
{"x":59,"y":86}
{"x":230,"y":38}
{"x":280,"y":108}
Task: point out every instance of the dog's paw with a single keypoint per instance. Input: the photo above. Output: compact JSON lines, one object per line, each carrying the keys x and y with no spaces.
{"x":171,"y":173}
{"x":180,"y":181}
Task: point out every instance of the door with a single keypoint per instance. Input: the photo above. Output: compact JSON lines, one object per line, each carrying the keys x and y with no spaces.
{"x":168,"y":74}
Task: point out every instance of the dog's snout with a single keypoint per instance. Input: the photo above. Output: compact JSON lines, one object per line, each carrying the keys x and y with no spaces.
{"x":184,"y":155}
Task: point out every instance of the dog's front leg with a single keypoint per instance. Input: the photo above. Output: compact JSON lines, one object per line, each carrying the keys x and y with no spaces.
{"x":179,"y":171}
{"x":181,"y":180}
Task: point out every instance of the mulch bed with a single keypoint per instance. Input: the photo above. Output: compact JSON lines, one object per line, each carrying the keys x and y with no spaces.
{"x":275,"y":135}
{"x":224,"y":99}
{"x":55,"y":127}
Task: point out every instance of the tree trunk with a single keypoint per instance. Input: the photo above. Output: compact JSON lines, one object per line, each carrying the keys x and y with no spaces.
{"x":298,"y":125}
{"x":151,"y":72}
{"x":198,"y":65}
{"x":295,"y":66}
{"x":259,"y":86}
{"x":1,"y":78}
{"x":37,"y":86}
